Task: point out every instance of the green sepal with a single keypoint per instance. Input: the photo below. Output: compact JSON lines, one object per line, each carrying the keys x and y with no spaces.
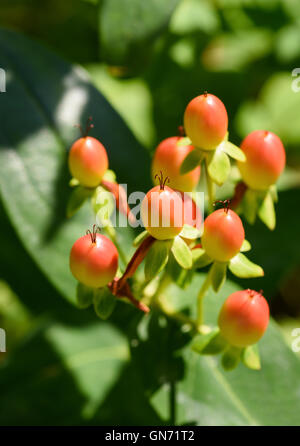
{"x":233,"y":151}
{"x":191,"y":161}
{"x":74,"y":182}
{"x":231,"y":358}
{"x":250,"y":205}
{"x":84,"y":296}
{"x":211,"y":343}
{"x":182,"y":277}
{"x":104,"y":302}
{"x":273,"y":192}
{"x":218,"y":275}
{"x":182,"y":253}
{"x":200,"y":258}
{"x":266,"y":211}
{"x":218,"y":166}
{"x":250,"y":357}
{"x":110,"y":176}
{"x":103,"y":204}
{"x":189,"y":232}
{"x":242,"y":267}
{"x":77,"y":198}
{"x":140,"y":238}
{"x":246,"y":246}
{"x":157,"y":258}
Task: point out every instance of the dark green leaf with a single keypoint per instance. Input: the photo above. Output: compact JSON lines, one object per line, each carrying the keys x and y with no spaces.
{"x":218,"y":275}
{"x":128,"y":26}
{"x":84,"y":296}
{"x":182,"y":253}
{"x":33,"y":152}
{"x":191,"y":161}
{"x":157,"y":258}
{"x":242,"y":267}
{"x":104,"y":302}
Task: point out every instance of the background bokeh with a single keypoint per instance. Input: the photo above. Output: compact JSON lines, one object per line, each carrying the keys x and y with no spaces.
{"x":148,"y":59}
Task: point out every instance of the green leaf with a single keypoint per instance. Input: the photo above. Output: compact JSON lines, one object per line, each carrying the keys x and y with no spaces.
{"x":266,"y":211}
{"x":242,"y":267}
{"x":157,"y":258}
{"x":250,"y":357}
{"x":250,"y":205}
{"x":191,"y":161}
{"x":231,"y":358}
{"x":233,"y":151}
{"x":218,"y":166}
{"x":34,"y":183}
{"x":190,"y":232}
{"x":128,"y":27}
{"x":84,"y":296}
{"x":211,"y":343}
{"x":104,"y":302}
{"x":246,"y":246}
{"x":140,"y":238}
{"x":218,"y":275}
{"x":77,"y":199}
{"x":200,"y":258}
{"x":182,"y":253}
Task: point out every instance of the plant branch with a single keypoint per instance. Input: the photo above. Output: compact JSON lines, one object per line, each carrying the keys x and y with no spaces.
{"x":239,"y":192}
{"x":202,"y":292}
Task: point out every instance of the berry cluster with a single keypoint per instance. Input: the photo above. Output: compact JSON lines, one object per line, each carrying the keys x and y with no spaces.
{"x":176,"y":241}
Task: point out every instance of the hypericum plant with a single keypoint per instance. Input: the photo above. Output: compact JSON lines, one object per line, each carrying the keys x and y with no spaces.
{"x":176,"y":242}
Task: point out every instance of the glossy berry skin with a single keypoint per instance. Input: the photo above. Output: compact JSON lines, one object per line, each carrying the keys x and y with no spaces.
{"x":162,"y":213}
{"x":94,"y":264}
{"x":206,"y":121}
{"x":223,"y":235}
{"x":265,"y":159}
{"x":88,"y":161}
{"x":244,"y":318}
{"x":168,"y":157}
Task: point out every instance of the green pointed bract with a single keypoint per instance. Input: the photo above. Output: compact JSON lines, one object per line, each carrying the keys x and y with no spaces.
{"x":218,"y":166}
{"x":182,"y":253}
{"x":140,"y":238}
{"x":77,"y":198}
{"x":84,"y":296}
{"x":242,"y":267}
{"x":104,"y":303}
{"x":189,"y":232}
{"x":250,"y":206}
{"x":231,"y":358}
{"x":246,"y":246}
{"x":233,"y":151}
{"x":157,"y":258}
{"x":266,"y":211}
{"x":250,"y":357}
{"x":210,"y":343}
{"x":218,"y":275}
{"x":191,"y":161}
{"x":200,"y":258}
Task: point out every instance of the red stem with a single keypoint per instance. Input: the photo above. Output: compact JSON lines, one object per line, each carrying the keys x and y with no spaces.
{"x":120,"y":196}
{"x":239,"y":192}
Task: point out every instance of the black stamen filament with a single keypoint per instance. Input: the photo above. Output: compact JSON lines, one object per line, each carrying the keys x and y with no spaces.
{"x":93,"y":234}
{"x":162,"y":180}
{"x":225,"y":203}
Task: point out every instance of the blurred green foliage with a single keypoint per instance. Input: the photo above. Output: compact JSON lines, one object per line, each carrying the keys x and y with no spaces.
{"x":148,"y":59}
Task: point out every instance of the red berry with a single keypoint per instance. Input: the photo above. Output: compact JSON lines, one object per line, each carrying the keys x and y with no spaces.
{"x":94,"y":263}
{"x":168,"y":158}
{"x":244,"y":318}
{"x":88,"y":161}
{"x":223,"y":235}
{"x":206,"y":121}
{"x":162,"y":212}
{"x":265,"y":159}
{"x":191,"y":212}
